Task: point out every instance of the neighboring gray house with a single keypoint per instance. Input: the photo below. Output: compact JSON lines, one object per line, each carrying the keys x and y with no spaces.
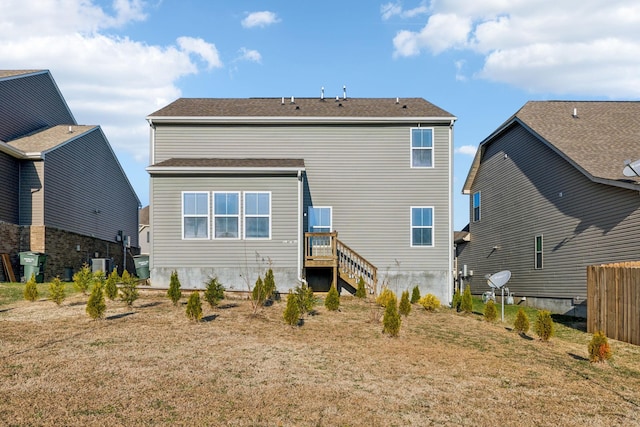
{"x":144,"y":230}
{"x":63,"y":190}
{"x":548,"y":198}
{"x":241,"y":185}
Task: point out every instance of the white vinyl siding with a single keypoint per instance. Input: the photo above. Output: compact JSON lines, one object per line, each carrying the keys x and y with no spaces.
{"x":257,"y":215}
{"x":422,"y":226}
{"x":226,"y":215}
{"x":422,"y":147}
{"x":195,"y":215}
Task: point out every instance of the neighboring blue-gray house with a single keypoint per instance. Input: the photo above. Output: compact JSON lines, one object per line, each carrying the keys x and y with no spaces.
{"x":318,"y":189}
{"x":63,"y":190}
{"x":548,"y":197}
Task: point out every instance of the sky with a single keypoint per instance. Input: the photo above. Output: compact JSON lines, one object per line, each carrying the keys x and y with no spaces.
{"x":116,"y":62}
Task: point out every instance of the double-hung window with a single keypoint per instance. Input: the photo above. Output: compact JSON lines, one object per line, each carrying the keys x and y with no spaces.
{"x":476,"y":206}
{"x":538,"y":252}
{"x":257,"y":215}
{"x":226,"y":214}
{"x":422,"y":147}
{"x":421,"y":226}
{"x":195,"y":215}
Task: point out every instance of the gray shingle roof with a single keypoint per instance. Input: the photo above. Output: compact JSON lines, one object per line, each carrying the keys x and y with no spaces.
{"x":301,"y":107}
{"x":13,"y":73}
{"x":49,"y":138}
{"x":598,"y":139}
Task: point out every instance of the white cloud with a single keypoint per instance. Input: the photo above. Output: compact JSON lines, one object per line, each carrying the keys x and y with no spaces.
{"x":260,"y":19}
{"x":563,"y":47}
{"x":249,"y":55}
{"x":389,"y":10}
{"x":206,"y":51}
{"x":469,"y":150}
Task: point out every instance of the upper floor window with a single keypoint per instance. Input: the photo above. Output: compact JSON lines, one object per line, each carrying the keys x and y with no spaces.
{"x":476,"y":206}
{"x":422,"y":147}
{"x":538,"y":252}
{"x":421,"y":226}
{"x":226,"y":214}
{"x":257,"y":215}
{"x":195,"y":215}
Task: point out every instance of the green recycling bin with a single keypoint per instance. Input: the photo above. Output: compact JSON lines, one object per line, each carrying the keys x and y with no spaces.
{"x":33,"y":263}
{"x":142,"y":266}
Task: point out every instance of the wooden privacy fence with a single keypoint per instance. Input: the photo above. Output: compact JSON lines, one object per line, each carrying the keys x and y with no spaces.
{"x":613,"y":300}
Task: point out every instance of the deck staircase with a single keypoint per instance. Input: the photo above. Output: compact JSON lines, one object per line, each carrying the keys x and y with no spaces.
{"x":326,"y":250}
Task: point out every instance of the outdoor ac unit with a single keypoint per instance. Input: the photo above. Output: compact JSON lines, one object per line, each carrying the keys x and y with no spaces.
{"x":102,"y":264}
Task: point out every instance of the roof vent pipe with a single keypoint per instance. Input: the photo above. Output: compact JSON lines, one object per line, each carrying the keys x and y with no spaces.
{"x":575,"y":113}
{"x":344,"y":92}
{"x":293,"y":101}
{"x":282,"y":100}
{"x":397,"y":100}
{"x":322,"y":93}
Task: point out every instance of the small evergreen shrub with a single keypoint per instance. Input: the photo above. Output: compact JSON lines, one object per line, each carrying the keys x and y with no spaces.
{"x":56,"y":291}
{"x":304,"y":298}
{"x":96,"y":306}
{"x":194,"y":306}
{"x":83,"y":278}
{"x":361,"y":292}
{"x":521,"y":324}
{"x":466,"y":305}
{"x":292,"y":313}
{"x":214,"y":291}
{"x":544,"y":327}
{"x":430,"y":302}
{"x":174,"y":292}
{"x":490,"y":311}
{"x":415,"y":295}
{"x":391,"y":320}
{"x":332,"y":301}
{"x":258,"y":294}
{"x":31,"y":289}
{"x":599,"y":348}
{"x":405,"y":304}
{"x":269,"y":285}
{"x":456,"y":301}
{"x":111,"y":285}
{"x":129,"y":290}
{"x":385,"y":297}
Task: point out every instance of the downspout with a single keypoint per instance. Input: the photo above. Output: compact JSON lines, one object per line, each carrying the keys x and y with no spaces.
{"x":450,"y":195}
{"x":300,"y":237}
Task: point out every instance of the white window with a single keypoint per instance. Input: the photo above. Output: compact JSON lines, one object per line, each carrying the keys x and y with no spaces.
{"x":538,"y":253}
{"x":422,"y":147}
{"x":320,"y":219}
{"x":476,"y":206}
{"x":257,"y":215}
{"x":421,"y":226}
{"x":195,"y":215}
{"x":226,"y":215}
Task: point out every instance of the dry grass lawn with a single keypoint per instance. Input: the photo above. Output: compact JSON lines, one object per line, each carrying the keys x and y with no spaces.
{"x":150,"y":365}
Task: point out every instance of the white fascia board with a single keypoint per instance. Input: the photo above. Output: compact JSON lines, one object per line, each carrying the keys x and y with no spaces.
{"x":18,"y":154}
{"x":162,"y":170}
{"x":291,"y":119}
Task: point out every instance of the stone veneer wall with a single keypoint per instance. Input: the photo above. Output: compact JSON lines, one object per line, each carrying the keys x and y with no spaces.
{"x":61,"y":248}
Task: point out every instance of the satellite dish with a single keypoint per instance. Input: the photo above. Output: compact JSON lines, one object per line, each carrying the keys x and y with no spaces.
{"x":499,"y":279}
{"x":631,"y":168}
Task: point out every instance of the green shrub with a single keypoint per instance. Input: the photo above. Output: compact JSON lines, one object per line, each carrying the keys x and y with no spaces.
{"x":405,"y":304}
{"x":544,"y":327}
{"x":128,"y":290}
{"x":96,"y":306}
{"x":83,"y":278}
{"x":361,"y":292}
{"x":31,"y":289}
{"x":194,"y":307}
{"x":385,"y":297}
{"x":111,"y":285}
{"x":269,"y":286}
{"x":174,"y":291}
{"x":490,"y":311}
{"x":391,"y":320}
{"x":430,"y":302}
{"x":599,"y":349}
{"x":214,"y":291}
{"x":304,"y":298}
{"x":466,"y":305}
{"x":456,"y":301}
{"x":415,"y":295}
{"x":292,"y":313}
{"x":332,"y":301}
{"x":56,"y":291}
{"x":258,"y":294}
{"x":521,"y":324}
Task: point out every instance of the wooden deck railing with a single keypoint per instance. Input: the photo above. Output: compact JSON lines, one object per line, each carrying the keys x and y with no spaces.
{"x":325,"y":250}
